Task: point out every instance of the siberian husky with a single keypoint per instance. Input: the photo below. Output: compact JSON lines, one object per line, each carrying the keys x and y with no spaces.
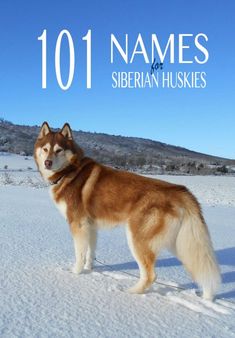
{"x":157,"y":214}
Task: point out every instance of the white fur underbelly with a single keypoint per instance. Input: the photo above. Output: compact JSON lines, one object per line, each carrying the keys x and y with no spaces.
{"x":61,"y":205}
{"x":103,"y":224}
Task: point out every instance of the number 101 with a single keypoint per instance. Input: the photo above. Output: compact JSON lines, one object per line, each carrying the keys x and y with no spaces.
{"x":65,"y":33}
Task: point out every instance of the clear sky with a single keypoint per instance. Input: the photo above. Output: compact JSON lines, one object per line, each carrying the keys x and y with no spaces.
{"x":199,"y":119}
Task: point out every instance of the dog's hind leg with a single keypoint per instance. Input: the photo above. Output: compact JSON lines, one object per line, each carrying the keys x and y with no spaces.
{"x":145,"y":258}
{"x":80,"y":235}
{"x":90,"y":255}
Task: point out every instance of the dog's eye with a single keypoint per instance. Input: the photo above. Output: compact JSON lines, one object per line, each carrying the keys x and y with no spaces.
{"x":58,"y":151}
{"x":45,"y":149}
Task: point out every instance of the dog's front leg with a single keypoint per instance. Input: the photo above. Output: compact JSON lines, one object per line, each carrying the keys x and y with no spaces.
{"x":90,"y":255}
{"x":80,"y":235}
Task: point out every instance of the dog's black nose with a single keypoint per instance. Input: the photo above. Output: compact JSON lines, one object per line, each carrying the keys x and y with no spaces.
{"x":48,"y":164}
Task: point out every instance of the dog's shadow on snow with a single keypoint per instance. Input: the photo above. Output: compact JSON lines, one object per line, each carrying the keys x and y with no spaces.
{"x":224,"y":256}
{"x":227,"y":257}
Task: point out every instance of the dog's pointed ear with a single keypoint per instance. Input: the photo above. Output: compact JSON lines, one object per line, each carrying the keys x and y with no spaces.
{"x":67,"y":132}
{"x":45,"y":129}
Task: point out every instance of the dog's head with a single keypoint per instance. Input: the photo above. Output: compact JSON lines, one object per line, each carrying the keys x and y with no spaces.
{"x":54,"y":151}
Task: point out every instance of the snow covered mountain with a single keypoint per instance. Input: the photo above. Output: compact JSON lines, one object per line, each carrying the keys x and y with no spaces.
{"x":125,"y":152}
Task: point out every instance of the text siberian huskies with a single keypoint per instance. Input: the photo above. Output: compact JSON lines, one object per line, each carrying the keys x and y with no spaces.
{"x":159,"y":80}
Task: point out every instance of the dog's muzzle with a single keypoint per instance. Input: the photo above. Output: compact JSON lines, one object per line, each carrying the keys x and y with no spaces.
{"x":48,"y":164}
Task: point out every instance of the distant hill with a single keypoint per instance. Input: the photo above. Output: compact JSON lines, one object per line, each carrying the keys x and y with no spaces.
{"x":123,"y":152}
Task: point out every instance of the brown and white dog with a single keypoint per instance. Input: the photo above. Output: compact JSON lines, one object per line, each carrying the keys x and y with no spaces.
{"x":157,"y":214}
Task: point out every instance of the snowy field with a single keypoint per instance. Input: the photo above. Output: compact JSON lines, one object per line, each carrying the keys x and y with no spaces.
{"x":40,"y":297}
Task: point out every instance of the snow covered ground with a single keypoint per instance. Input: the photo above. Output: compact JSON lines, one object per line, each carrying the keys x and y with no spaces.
{"x":41,"y":298}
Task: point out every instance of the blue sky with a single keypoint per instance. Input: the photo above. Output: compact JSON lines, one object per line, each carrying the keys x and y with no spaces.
{"x":199,"y":119}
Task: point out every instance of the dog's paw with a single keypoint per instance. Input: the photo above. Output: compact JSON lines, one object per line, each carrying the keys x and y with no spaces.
{"x":76,"y":269}
{"x":88,"y":266}
{"x":136,"y":289}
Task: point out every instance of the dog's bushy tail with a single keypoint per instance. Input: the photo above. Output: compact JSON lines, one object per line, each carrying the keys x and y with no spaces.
{"x":194,"y":249}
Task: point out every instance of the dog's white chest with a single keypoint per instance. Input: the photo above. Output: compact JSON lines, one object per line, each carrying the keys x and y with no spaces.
{"x":61,"y":205}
